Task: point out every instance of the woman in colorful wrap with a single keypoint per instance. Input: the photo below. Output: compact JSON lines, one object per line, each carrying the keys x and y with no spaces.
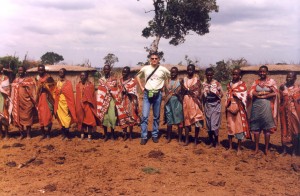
{"x":129,"y":99}
{"x":45,"y":100}
{"x":173,"y":105}
{"x":212,"y":94}
{"x":86,"y":106}
{"x":64,"y":106}
{"x":263,"y":96}
{"x":192,"y":106}
{"x":4,"y":103}
{"x":23,"y":102}
{"x":109,"y":105}
{"x":290,"y":113}
{"x":236,"y":114}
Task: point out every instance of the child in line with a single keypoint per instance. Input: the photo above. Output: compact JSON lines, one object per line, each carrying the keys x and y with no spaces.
{"x":193,"y":114}
{"x":212,"y":94}
{"x":129,"y":99}
{"x":173,"y":106}
{"x":236,"y":114}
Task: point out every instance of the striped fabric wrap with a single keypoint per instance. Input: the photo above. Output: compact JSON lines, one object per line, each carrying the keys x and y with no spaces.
{"x":129,"y":86}
{"x":108,"y":89}
{"x":213,"y":87}
{"x":27,"y":83}
{"x":130,"y":99}
{"x":289,"y":112}
{"x":238,"y":92}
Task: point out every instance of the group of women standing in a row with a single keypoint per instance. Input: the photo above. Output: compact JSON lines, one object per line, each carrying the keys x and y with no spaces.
{"x":188,"y":103}
{"x":254,"y":110}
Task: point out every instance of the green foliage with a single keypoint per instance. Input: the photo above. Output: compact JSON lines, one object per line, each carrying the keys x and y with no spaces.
{"x":223,"y":69}
{"x":222,"y":72}
{"x":140,"y":63}
{"x":10,"y":62}
{"x":110,"y":59}
{"x":237,"y":63}
{"x":30,"y":63}
{"x":175,"y":19}
{"x":51,"y":58}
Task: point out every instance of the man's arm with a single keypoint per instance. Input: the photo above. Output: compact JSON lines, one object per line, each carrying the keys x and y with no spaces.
{"x":138,"y":79}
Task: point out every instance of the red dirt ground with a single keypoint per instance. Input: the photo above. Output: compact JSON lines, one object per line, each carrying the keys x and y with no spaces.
{"x":76,"y":167}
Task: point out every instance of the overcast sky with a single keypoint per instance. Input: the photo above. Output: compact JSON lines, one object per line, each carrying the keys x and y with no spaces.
{"x":261,"y":31}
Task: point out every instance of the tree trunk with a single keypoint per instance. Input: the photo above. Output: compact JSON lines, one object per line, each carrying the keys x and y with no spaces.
{"x":154,"y":45}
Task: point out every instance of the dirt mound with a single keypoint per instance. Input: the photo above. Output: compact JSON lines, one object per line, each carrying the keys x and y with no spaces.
{"x":11,"y":164}
{"x":50,"y":188}
{"x":18,"y":145}
{"x":156,"y":154}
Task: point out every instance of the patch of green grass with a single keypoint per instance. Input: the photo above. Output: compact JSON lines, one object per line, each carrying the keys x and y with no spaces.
{"x":150,"y":170}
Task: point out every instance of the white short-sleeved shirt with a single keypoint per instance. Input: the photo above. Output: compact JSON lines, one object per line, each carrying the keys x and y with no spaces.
{"x":156,"y":81}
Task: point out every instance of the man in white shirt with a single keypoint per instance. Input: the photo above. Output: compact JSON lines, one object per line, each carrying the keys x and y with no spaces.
{"x":155,"y":76}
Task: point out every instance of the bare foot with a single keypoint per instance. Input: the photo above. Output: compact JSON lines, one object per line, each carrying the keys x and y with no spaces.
{"x":217,"y":145}
{"x":239,"y":152}
{"x":210,"y":145}
{"x":195,"y":142}
{"x":21,"y":136}
{"x":105,"y":138}
{"x":283,"y":154}
{"x":168,"y":140}
{"x":81,"y":136}
{"x":125,"y":137}
{"x":266,"y":151}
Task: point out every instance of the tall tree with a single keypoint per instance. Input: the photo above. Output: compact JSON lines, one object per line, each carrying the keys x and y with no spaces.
{"x":51,"y":58}
{"x":10,"y":62}
{"x":174,"y":19}
{"x":110,"y":59}
{"x":222,"y":72}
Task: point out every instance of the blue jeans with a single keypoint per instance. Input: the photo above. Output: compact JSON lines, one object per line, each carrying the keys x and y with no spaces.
{"x":156,"y":103}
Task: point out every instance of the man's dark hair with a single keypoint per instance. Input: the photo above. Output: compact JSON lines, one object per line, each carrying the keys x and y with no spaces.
{"x":294,"y":74}
{"x":264,"y":66}
{"x":42,"y":65}
{"x":238,"y":69}
{"x":175,"y":68}
{"x":85,"y":73}
{"x":127,"y":67}
{"x":192,"y":65}
{"x":64,"y":70}
{"x":24,"y":68}
{"x":209,"y":70}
